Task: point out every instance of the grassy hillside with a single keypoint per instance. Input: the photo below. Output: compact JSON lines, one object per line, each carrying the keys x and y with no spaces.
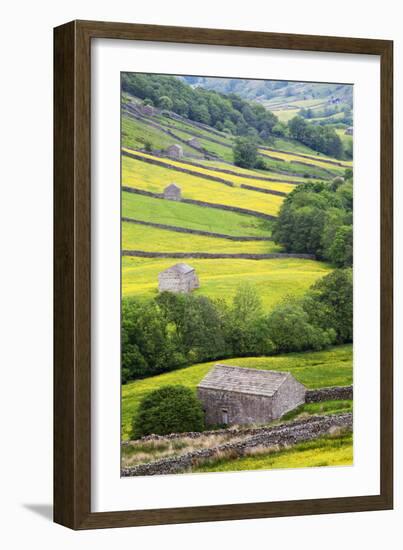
{"x":237,"y":180}
{"x":135,"y":237}
{"x":273,"y":279}
{"x":192,"y":216}
{"x":332,"y":367}
{"x":145,"y":176}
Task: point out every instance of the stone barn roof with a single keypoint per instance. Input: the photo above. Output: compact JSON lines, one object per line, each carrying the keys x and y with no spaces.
{"x":244,"y":380}
{"x":180,"y":268}
{"x":172,"y":187}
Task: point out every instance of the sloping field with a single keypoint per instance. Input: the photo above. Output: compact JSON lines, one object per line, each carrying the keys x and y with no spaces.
{"x":209,"y":171}
{"x":140,"y":175}
{"x":274,"y":278}
{"x":190,"y":216}
{"x":250,"y":172}
{"x":297,"y":167}
{"x":322,"y":162}
{"x":193,"y":129}
{"x":135,"y":134}
{"x":333,"y":367}
{"x":324,"y":451}
{"x":152,"y":239}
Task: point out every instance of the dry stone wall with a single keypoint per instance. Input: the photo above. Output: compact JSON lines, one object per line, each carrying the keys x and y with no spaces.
{"x":208,"y":255}
{"x":277,"y":437}
{"x":329,"y":394}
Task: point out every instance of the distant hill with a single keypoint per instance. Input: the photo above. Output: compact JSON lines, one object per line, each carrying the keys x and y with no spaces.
{"x":271,"y":90}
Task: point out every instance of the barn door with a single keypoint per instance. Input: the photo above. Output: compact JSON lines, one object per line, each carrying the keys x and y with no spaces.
{"x":224,"y":416}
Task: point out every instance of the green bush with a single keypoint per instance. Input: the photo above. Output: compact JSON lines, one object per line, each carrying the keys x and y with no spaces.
{"x":169,"y":409}
{"x":290,"y":329}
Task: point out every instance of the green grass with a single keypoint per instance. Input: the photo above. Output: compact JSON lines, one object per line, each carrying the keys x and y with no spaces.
{"x":182,"y":125}
{"x":152,"y":239}
{"x":325,"y":451}
{"x":254,"y":172}
{"x":274,"y":279}
{"x":333,"y":367}
{"x":136,"y":173}
{"x":324,"y":407}
{"x":135,"y":134}
{"x":192,"y":216}
{"x":294,"y":166}
{"x":284,"y":115}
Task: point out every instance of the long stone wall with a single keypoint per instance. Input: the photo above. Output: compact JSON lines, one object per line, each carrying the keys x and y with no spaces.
{"x":208,"y":255}
{"x":275,"y":437}
{"x":329,"y":394}
{"x":262,"y":190}
{"x":195,"y":231}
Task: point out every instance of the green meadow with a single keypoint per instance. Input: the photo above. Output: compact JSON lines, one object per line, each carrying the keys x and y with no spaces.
{"x":318,"y":369}
{"x":141,"y":175}
{"x":137,"y":237}
{"x":324,"y":451}
{"x":156,"y":210}
{"x":273,"y":279}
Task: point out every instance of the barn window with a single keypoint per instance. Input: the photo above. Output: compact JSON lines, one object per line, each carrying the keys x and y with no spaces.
{"x":224,"y":416}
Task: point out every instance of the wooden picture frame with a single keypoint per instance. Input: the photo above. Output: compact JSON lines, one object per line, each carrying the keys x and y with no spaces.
{"x":72,"y":273}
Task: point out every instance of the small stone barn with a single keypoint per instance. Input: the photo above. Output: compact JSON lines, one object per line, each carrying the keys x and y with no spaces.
{"x":178,"y":278}
{"x":237,"y":395}
{"x":147,"y":110}
{"x":175,"y":151}
{"x":172,"y":192}
{"x":194,"y":142}
{"x":349,"y":131}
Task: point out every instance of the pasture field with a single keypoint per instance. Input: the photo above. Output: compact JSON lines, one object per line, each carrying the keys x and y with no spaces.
{"x":135,"y":134}
{"x":152,"y":239}
{"x":191,"y":216}
{"x":274,"y":279}
{"x":294,"y":166}
{"x":284,"y":115}
{"x":209,"y":171}
{"x":172,"y":123}
{"x":141,"y":175}
{"x":293,"y":146}
{"x":289,"y":158}
{"x":324,"y":451}
{"x":253,"y":172}
{"x":322,"y":161}
{"x":318,"y":369}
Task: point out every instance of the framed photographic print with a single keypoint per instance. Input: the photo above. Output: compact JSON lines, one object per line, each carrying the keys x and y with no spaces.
{"x":223,"y":275}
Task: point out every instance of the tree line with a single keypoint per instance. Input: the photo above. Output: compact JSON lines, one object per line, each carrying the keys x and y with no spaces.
{"x":317,"y":218}
{"x":177,"y":330}
{"x":228,"y":113}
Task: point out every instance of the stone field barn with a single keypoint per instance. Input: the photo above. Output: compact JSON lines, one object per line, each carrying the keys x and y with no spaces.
{"x":175,"y":151}
{"x":237,"y":395}
{"x":178,"y":278}
{"x":172,"y":192}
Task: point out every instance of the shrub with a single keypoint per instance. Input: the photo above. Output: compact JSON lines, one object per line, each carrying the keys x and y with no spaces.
{"x":169,"y":409}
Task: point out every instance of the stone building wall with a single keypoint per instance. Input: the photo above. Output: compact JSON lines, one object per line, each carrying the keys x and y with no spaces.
{"x":241,"y":408}
{"x":177,"y":282}
{"x":289,"y":395}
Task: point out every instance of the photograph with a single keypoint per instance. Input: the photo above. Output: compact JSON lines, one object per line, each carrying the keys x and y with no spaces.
{"x":236,"y":274}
